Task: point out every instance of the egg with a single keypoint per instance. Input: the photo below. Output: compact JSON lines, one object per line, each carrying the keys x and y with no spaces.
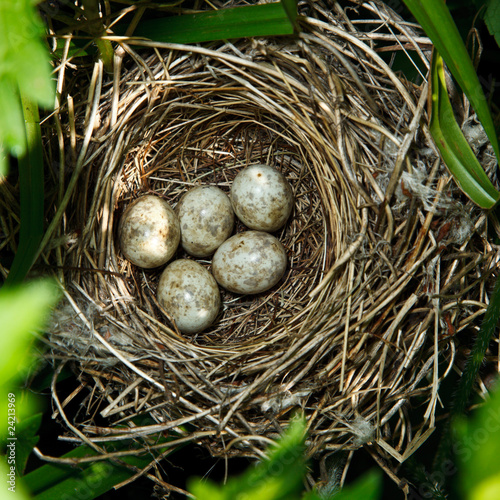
{"x":189,"y":293}
{"x":149,"y":232}
{"x":206,"y":219}
{"x":249,"y":262}
{"x":262,"y":198}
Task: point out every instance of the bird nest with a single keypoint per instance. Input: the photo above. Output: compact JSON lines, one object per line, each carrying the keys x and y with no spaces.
{"x":385,"y":256}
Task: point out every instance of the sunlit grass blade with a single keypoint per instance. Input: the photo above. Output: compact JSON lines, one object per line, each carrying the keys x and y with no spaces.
{"x":31,"y":195}
{"x":436,"y":20}
{"x":455,"y":150}
{"x":238,"y":22}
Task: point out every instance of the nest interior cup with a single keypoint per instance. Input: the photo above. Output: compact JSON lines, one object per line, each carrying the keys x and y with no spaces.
{"x":351,"y":332}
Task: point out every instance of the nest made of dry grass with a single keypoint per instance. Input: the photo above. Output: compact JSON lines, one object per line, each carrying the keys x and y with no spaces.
{"x":387,"y":261}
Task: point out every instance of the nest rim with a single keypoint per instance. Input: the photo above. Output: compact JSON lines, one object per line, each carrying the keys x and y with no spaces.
{"x":329,"y":418}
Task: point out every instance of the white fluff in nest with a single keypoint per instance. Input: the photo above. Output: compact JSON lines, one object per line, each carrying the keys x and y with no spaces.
{"x":462,"y":228}
{"x":362,"y":430}
{"x":69,"y":329}
{"x":481,"y":146}
{"x":282,"y":401}
{"x":474,"y":133}
{"x":415,"y":183}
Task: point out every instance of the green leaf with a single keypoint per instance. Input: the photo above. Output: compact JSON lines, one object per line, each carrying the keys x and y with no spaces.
{"x":24,"y":68}
{"x":269,"y":19}
{"x":77,"y":48}
{"x":492,"y":19}
{"x":26,"y":439}
{"x":3,"y":161}
{"x":96,"y":28}
{"x":25,"y":83}
{"x":13,"y":488}
{"x":49,"y":477}
{"x":368,"y":487}
{"x":23,"y":56}
{"x":12,"y":133}
{"x":436,"y":20}
{"x":486,"y":490}
{"x":452,"y":144}
{"x":290,"y":7}
{"x":477,"y":442}
{"x":22,"y":310}
{"x":279,"y":477}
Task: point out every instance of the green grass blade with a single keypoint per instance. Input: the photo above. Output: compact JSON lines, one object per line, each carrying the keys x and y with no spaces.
{"x":452,"y":144}
{"x":436,"y":20}
{"x":90,"y":480}
{"x":31,"y":195}
{"x":27,"y":438}
{"x":478,"y":353}
{"x":49,"y":475}
{"x":468,"y":378}
{"x":22,"y":309}
{"x":238,"y":22}
{"x":366,"y":487}
{"x":49,"y":478}
{"x":278,"y":477}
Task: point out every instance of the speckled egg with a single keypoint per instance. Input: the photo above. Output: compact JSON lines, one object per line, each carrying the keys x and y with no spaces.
{"x":249,"y":262}
{"x":206,"y":219}
{"x":189,"y":293}
{"x":262,"y":198}
{"x":149,"y":232}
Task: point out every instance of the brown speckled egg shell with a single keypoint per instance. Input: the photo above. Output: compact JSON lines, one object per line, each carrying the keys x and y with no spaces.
{"x":189,"y":293}
{"x":206,"y":219}
{"x":262,"y":198}
{"x":249,"y":262}
{"x":149,"y":232}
